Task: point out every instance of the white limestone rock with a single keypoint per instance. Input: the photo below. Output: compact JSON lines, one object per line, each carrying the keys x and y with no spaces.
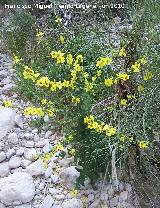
{"x":14,"y":162}
{"x":47,"y":202}
{"x":36,"y":169}
{"x":2,"y":156}
{"x":17,"y":188}
{"x":4,"y":169}
{"x":13,"y":138}
{"x":8,"y":119}
{"x":72,"y":203}
{"x":69,"y":176}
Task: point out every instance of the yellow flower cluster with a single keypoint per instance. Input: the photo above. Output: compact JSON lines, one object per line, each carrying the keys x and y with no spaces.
{"x":61,"y":39}
{"x":59,"y":56}
{"x":43,"y":82}
{"x":109,"y":82}
{"x":75,"y":99}
{"x":143,"y":144}
{"x":101,"y":128}
{"x":122,"y":52}
{"x":74,"y":193}
{"x":123,"y":102}
{"x":33,"y":111}
{"x":136,"y":67}
{"x":7,"y":103}
{"x":16,"y":59}
{"x":123,"y":76}
{"x":103,"y":62}
{"x":58,"y":20}
{"x":148,"y":76}
{"x":28,"y":73}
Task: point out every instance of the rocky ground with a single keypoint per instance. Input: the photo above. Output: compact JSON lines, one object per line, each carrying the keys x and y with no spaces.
{"x":25,"y":182}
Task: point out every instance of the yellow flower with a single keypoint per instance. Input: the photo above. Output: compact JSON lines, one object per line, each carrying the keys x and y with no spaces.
{"x":58,"y":20}
{"x":103,"y":62}
{"x":54,"y":54}
{"x":7,"y":103}
{"x":72,"y":151}
{"x":29,"y":111}
{"x":111,"y":131}
{"x":143,"y":144}
{"x":148,"y":76}
{"x":122,"y":138}
{"x":50,"y":112}
{"x":65,"y":83}
{"x":122,"y":52}
{"x":136,"y":67}
{"x":59,"y":147}
{"x":79,"y":58}
{"x":88,"y":86}
{"x":143,"y":60}
{"x":69,"y":138}
{"x":61,"y":39}
{"x":109,"y":82}
{"x":43,"y":101}
{"x":39,"y":34}
{"x":123,"y":76}
{"x":86,"y":75}
{"x":53,"y":86}
{"x":39,"y":112}
{"x":43,"y":81}
{"x":16,"y":59}
{"x":123,"y":102}
{"x":77,"y":67}
{"x":99,"y":73}
{"x":75,"y":99}
{"x":74,"y":193}
{"x":140,"y":88}
{"x":59,"y":85}
{"x":69,"y":59}
{"x":60,"y":59}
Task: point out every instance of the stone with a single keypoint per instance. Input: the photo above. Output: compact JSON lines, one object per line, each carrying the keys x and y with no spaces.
{"x":47,"y":202}
{"x":65,"y":162}
{"x":54,"y":191}
{"x":48,"y":172}
{"x":59,"y":197}
{"x":24,"y":206}
{"x":29,"y":144}
{"x":10,"y":153}
{"x":30,"y":154}
{"x":13,"y":138}
{"x":90,"y":197}
{"x":2,"y":205}
{"x":104,"y":197}
{"x":14,"y":162}
{"x":123,"y":196}
{"x":47,"y":148}
{"x":52,"y":165}
{"x":36,"y":169}
{"x":20,"y":151}
{"x":48,"y":134}
{"x":95,"y":204}
{"x":41,"y":144}
{"x":7,"y":121}
{"x":69,"y":176}
{"x":4,"y":169}
{"x":55,"y":178}
{"x":25,"y":163}
{"x":28,"y":136}
{"x":2,"y":156}
{"x":114,"y":201}
{"x":128,"y":187}
{"x":72,"y":203}
{"x":17,"y":188}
